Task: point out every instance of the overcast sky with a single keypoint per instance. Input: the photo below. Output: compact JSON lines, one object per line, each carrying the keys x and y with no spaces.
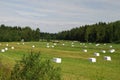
{"x":57,"y":15}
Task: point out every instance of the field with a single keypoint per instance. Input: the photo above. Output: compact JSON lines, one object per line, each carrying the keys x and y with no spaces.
{"x":75,"y":64}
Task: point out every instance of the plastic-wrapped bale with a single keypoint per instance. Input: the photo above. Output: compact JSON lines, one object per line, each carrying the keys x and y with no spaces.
{"x":97,"y":44}
{"x":85,"y":46}
{"x":47,"y":43}
{"x":63,"y":44}
{"x":48,"y":46}
{"x":90,"y":43}
{"x":33,"y":46}
{"x":6,"y":49}
{"x":12,"y":47}
{"x":57,"y":60}
{"x":111,"y":46}
{"x":104,"y":44}
{"x":85,"y":50}
{"x":55,"y":44}
{"x":112,"y":50}
{"x":96,"y":54}
{"x":92,"y":60}
{"x":108,"y":58}
{"x":6,"y":44}
{"x":72,"y":45}
{"x":52,"y":46}
{"x":18,"y":43}
{"x":2,"y":50}
{"x":103,"y":51}
{"x":22,"y":40}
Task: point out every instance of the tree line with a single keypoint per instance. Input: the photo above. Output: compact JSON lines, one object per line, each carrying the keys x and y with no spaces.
{"x":8,"y":33}
{"x":100,"y":32}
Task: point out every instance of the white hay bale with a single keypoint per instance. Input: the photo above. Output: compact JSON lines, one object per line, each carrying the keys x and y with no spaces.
{"x":104,"y":44}
{"x":18,"y":43}
{"x":52,"y":46}
{"x":72,"y":45}
{"x":2,"y":50}
{"x":103,"y":51}
{"x":85,"y":50}
{"x":7,"y":45}
{"x":75,"y":41}
{"x":92,"y":60}
{"x":6,"y":49}
{"x":57,"y":60}
{"x":33,"y":46}
{"x":22,"y":40}
{"x":111,"y":46}
{"x":108,"y":58}
{"x":48,"y":46}
{"x":112,"y":50}
{"x":90,"y":43}
{"x":23,"y":43}
{"x":85,"y":46}
{"x":80,"y":43}
{"x":47,"y":43}
{"x":97,"y":44}
{"x":12,"y":47}
{"x":63,"y":44}
{"x":96,"y":54}
{"x":55,"y":44}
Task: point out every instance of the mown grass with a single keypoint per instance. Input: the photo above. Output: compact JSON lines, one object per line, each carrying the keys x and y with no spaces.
{"x":75,"y":64}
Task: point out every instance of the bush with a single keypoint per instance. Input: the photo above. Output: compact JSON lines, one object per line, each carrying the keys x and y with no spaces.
{"x":32,"y":67}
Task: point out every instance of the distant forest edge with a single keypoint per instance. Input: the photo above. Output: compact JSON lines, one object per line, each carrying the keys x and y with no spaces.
{"x":100,"y":32}
{"x":9,"y":34}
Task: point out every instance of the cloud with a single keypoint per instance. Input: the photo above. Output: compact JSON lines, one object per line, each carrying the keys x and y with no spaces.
{"x":57,"y":15}
{"x":30,"y":14}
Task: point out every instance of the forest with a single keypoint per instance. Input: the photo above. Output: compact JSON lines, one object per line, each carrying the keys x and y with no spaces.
{"x":100,"y":32}
{"x":9,"y":33}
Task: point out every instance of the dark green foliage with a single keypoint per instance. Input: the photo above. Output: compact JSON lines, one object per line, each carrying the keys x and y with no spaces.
{"x":37,"y":34}
{"x":32,"y":67}
{"x":8,"y":33}
{"x":100,"y":32}
{"x":47,"y":36}
{"x":117,"y":42}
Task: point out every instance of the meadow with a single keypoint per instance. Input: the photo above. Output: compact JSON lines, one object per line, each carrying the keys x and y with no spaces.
{"x":75,"y":63}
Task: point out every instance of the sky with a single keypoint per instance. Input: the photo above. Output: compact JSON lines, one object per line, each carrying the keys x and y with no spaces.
{"x":57,"y":15}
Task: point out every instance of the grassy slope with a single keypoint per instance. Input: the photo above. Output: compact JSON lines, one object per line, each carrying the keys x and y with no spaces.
{"x":75,"y":64}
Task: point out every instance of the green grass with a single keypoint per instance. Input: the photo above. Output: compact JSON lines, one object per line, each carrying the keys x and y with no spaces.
{"x":75,"y":64}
